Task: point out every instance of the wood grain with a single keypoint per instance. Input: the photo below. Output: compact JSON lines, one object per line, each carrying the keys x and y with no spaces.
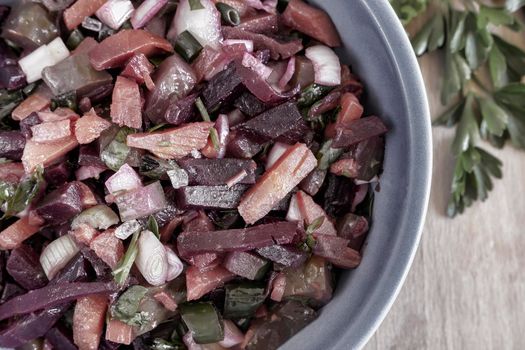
{"x":466,"y":287}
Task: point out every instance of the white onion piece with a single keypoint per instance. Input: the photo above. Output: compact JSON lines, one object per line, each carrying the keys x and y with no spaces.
{"x":326,"y":65}
{"x":115,"y":12}
{"x":276,"y":152}
{"x":294,"y":213}
{"x":232,"y":335}
{"x":127,"y":229}
{"x":151,"y":259}
{"x":175,"y":266}
{"x":269,"y":6}
{"x":57,"y":254}
{"x":203,"y":24}
{"x":288,"y":74}
{"x":145,"y":12}
{"x":100,"y":217}
{"x":248,"y":44}
{"x":125,"y":179}
{"x":45,"y":56}
{"x":252,"y":62}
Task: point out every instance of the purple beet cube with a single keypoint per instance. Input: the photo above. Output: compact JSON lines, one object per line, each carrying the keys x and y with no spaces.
{"x":62,"y":204}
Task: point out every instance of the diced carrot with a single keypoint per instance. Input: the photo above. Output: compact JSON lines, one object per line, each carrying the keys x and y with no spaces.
{"x":173,"y":143}
{"x":311,"y":211}
{"x":58,"y":114}
{"x":88,"y":198}
{"x":119,"y":332}
{"x":166,"y":300}
{"x":292,"y":167}
{"x":52,"y":131}
{"x":11,"y":172}
{"x":89,"y":127}
{"x":45,"y":154}
{"x":34,"y":103}
{"x":199,"y":283}
{"x":108,"y":248}
{"x":126,"y":108}
{"x":351,"y":109}
{"x":15,"y":234}
{"x":84,"y":234}
{"x":88,"y":321}
{"x":75,"y":14}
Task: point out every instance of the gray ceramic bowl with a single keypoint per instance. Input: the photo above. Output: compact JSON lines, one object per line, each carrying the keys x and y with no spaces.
{"x":376,"y":46}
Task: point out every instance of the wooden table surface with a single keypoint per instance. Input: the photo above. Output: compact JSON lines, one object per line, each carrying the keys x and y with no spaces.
{"x":467,"y":283}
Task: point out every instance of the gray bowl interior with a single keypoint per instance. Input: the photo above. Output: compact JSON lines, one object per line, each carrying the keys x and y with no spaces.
{"x":380,"y":54}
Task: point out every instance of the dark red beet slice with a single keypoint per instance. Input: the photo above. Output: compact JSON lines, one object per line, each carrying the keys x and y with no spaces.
{"x":357,"y":131}
{"x":62,"y":204}
{"x":224,"y":87}
{"x":192,"y":243}
{"x":215,"y":172}
{"x":89,"y":155}
{"x":27,"y":123}
{"x":287,"y":255}
{"x":249,"y":104}
{"x":12,"y":77}
{"x":245,"y":264}
{"x":354,"y":228}
{"x":363,"y":161}
{"x":242,"y":145}
{"x":262,"y":23}
{"x":60,"y":338}
{"x":338,"y":195}
{"x":11,"y":290}
{"x":24,"y":267}
{"x":57,"y":174}
{"x":335,"y":249}
{"x":210,"y":197}
{"x":300,"y":132}
{"x":181,"y":110}
{"x":12,"y":144}
{"x":313,"y":182}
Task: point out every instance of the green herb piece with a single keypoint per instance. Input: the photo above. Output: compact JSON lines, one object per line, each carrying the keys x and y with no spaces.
{"x":156,"y":168}
{"x":25,"y":192}
{"x":202,"y":110}
{"x":214,"y":136}
{"x":157,"y":127}
{"x":153,"y":226}
{"x":126,"y":309}
{"x":314,"y":226}
{"x":68,"y":100}
{"x":328,"y":155}
{"x":195,"y":5}
{"x":117,"y":151}
{"x":229,"y":14}
{"x":243,"y":299}
{"x":74,"y":39}
{"x":9,"y":101}
{"x":187,"y":46}
{"x":203,"y":321}
{"x":312,"y":94}
{"x":121,"y":272}
{"x":29,"y":89}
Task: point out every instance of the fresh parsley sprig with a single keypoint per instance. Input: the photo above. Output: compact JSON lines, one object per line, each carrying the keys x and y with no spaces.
{"x":492,"y":109}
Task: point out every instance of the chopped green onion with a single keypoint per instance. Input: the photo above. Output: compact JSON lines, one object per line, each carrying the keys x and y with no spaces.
{"x":157,"y":127}
{"x":187,"y":46}
{"x":156,"y":168}
{"x":202,"y":110}
{"x":214,"y":135}
{"x":315,"y":225}
{"x":195,"y":5}
{"x":243,"y":299}
{"x":9,"y":101}
{"x":228,"y":14}
{"x":126,"y":309}
{"x":327,"y":155}
{"x":75,"y":38}
{"x":29,"y":89}
{"x":117,"y":151}
{"x":312,"y":94}
{"x":203,"y":321}
{"x":68,"y":99}
{"x":153,"y":226}
{"x":124,"y":266}
{"x":25,"y":192}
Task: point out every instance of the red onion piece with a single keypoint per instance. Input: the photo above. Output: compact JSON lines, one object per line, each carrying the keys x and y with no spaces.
{"x":125,"y":179}
{"x":115,"y":12}
{"x":293,"y":214}
{"x":141,"y":202}
{"x":203,"y":24}
{"x":326,"y":65}
{"x":256,"y":65}
{"x":269,"y":6}
{"x":145,"y":12}
{"x":288,"y":74}
{"x":277,"y":151}
{"x":88,"y":172}
{"x":247,"y":43}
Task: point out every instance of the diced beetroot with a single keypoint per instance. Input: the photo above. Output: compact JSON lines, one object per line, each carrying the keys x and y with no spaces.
{"x":312,"y":22}
{"x":86,"y":195}
{"x":311,"y":211}
{"x":57,"y":174}
{"x":125,"y":179}
{"x":61,"y":204}
{"x":211,"y":62}
{"x":243,"y":146}
{"x":173,"y":143}
{"x":24,"y":267}
{"x":51,"y":132}
{"x":357,"y":131}
{"x":363,"y":161}
{"x":85,"y":46}
{"x":217,"y":148}
{"x":250,"y":105}
{"x":245,"y":264}
{"x":261,"y":23}
{"x":277,"y":49}
{"x":181,"y":111}
{"x":204,"y":261}
{"x":61,"y":113}
{"x":88,"y":321}
{"x":200,"y":283}
{"x":190,"y":243}
{"x":27,"y":123}
{"x":335,"y":249}
{"x":210,"y":197}
{"x":119,"y":332}
{"x":74,"y":15}
{"x":89,"y":127}
{"x":326,"y":104}
{"x":11,"y":172}
{"x":212,"y":172}
{"x":59,"y":337}
{"x":12,"y":144}
{"x":117,"y":49}
{"x":166,"y":300}
{"x":354,"y":228}
{"x":34,"y":103}
{"x":12,"y":77}
{"x":126,"y":107}
{"x":139,"y":69}
{"x":287,"y":255}
{"x":199,"y":221}
{"x":224,"y":87}
{"x":277,"y":182}
{"x":84,"y":234}
{"x":90,"y":155}
{"x":313,"y":182}
{"x":338,"y":195}
{"x":45,"y":154}
{"x":14,"y":235}
{"x":108,"y":248}
{"x":141,"y":202}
